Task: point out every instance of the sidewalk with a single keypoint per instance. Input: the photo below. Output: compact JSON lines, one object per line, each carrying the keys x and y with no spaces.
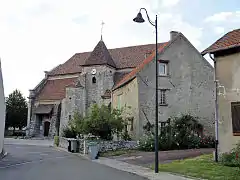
{"x":33,"y":142}
{"x":135,"y":169}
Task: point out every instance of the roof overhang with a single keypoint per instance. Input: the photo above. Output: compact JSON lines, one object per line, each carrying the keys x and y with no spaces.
{"x":44,"y":109}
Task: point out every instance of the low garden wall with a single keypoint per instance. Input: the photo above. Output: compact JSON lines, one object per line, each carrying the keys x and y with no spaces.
{"x":103,"y":145}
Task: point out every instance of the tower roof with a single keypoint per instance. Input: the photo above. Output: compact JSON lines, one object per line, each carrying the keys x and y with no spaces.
{"x":100,"y":56}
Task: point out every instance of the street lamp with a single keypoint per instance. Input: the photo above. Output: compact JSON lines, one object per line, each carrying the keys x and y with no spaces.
{"x":139,"y":19}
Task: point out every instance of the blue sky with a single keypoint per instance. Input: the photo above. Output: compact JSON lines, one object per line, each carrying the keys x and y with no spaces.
{"x":36,"y":36}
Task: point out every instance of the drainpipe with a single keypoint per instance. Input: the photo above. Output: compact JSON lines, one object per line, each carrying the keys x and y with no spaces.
{"x":216,"y":109}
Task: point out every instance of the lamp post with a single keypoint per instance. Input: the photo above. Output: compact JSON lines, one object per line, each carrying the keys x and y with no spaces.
{"x":139,"y":19}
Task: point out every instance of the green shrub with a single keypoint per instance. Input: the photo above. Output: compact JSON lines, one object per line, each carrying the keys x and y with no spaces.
{"x":181,"y":132}
{"x":69,"y":132}
{"x":146,"y":143}
{"x":231,"y":158}
{"x":56,"y":140}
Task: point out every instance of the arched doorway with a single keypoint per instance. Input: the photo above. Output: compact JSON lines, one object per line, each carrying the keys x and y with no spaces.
{"x":46,"y":128}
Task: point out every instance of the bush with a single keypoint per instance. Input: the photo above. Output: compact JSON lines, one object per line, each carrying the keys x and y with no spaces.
{"x":56,"y":140}
{"x":182,"y":133}
{"x":146,"y":143}
{"x":99,"y":121}
{"x":69,"y":132}
{"x":231,"y":158}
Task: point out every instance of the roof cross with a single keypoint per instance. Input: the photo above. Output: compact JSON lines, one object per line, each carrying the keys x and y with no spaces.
{"x":102,"y":29}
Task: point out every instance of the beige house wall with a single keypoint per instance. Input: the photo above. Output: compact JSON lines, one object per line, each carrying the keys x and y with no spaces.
{"x":124,"y":97}
{"x":228,"y":74}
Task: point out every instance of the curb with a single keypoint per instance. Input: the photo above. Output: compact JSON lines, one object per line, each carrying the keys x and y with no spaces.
{"x":3,"y":154}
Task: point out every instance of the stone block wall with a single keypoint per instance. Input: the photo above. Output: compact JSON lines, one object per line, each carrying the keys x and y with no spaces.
{"x":102,"y":145}
{"x":189,"y":86}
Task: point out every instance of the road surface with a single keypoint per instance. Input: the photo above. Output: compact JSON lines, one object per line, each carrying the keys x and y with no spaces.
{"x":26,"y":162}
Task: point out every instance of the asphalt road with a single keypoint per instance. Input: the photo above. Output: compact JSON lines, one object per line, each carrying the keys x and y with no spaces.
{"x":45,"y":163}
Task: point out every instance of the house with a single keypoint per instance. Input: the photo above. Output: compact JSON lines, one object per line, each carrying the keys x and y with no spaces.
{"x":2,"y":114}
{"x":186,"y":85}
{"x":186,"y":81}
{"x":84,"y":79}
{"x":226,"y":55}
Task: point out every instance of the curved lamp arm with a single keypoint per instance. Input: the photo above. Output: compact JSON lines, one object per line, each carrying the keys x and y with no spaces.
{"x":151,"y":22}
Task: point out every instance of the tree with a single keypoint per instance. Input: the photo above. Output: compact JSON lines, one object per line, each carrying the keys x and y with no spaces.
{"x":16,"y":110}
{"x":100,"y":121}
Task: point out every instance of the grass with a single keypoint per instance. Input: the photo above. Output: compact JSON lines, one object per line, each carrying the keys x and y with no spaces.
{"x":202,"y":167}
{"x":117,"y":153}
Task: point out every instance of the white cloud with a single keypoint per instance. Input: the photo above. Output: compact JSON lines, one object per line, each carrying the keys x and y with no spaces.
{"x":169,"y":3}
{"x":224,"y":16}
{"x":38,"y":35}
{"x":218,"y":30}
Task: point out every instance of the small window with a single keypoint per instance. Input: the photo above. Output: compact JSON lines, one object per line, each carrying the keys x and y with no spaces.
{"x":163,"y":97}
{"x":94,"y":80}
{"x":162,"y":69}
{"x":235,"y":107}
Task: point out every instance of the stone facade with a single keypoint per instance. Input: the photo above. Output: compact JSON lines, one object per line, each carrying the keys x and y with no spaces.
{"x":188,"y":86}
{"x":227,"y":74}
{"x":79,"y":98}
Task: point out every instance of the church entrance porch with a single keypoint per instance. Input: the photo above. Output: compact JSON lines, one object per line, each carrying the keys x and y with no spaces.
{"x":43,"y":118}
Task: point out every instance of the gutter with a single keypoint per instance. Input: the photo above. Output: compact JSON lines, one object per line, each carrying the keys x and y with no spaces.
{"x":216,"y":108}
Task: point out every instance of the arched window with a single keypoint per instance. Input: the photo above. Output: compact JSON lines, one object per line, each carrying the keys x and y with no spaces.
{"x":94,"y":80}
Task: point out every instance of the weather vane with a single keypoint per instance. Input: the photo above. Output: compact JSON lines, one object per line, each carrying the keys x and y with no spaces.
{"x":102,"y":29}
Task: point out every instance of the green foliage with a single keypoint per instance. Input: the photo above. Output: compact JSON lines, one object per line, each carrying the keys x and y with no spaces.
{"x":125,"y":136}
{"x":16,"y":110}
{"x":103,"y":122}
{"x":179,"y":133}
{"x":146,"y":143}
{"x":69,"y":132}
{"x":231,"y":158}
{"x":56,"y":140}
{"x":99,"y":121}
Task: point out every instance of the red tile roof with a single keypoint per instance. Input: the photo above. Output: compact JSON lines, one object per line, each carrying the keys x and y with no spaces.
{"x":55,"y":89}
{"x":229,"y":40}
{"x":125,"y":57}
{"x":133,"y":73}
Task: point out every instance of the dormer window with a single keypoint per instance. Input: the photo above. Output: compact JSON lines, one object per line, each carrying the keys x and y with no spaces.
{"x":94,"y":80}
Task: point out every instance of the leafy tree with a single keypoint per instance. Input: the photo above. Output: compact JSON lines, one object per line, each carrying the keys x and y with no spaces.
{"x":100,"y":121}
{"x":16,"y":110}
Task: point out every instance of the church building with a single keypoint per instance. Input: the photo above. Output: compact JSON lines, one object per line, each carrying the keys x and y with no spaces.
{"x":100,"y":75}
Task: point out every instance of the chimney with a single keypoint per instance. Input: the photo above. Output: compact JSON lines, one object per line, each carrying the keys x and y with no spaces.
{"x":46,"y":74}
{"x":173,"y":34}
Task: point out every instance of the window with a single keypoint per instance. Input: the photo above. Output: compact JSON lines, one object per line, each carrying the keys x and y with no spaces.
{"x":94,"y":80}
{"x":163,"y":97}
{"x":162,"y":69}
{"x":235,"y":107}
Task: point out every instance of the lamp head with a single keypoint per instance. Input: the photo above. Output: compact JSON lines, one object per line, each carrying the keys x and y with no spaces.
{"x":139,"y":18}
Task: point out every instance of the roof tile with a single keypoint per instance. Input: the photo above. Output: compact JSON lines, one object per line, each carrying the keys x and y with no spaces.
{"x":56,"y":89}
{"x":229,"y":40}
{"x":125,"y":57}
{"x":133,"y":73}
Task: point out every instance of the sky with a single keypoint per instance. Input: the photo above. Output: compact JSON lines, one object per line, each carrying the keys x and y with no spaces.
{"x":37,"y":35}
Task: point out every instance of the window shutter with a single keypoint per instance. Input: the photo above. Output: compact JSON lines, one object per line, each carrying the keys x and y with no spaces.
{"x":235,"y":106}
